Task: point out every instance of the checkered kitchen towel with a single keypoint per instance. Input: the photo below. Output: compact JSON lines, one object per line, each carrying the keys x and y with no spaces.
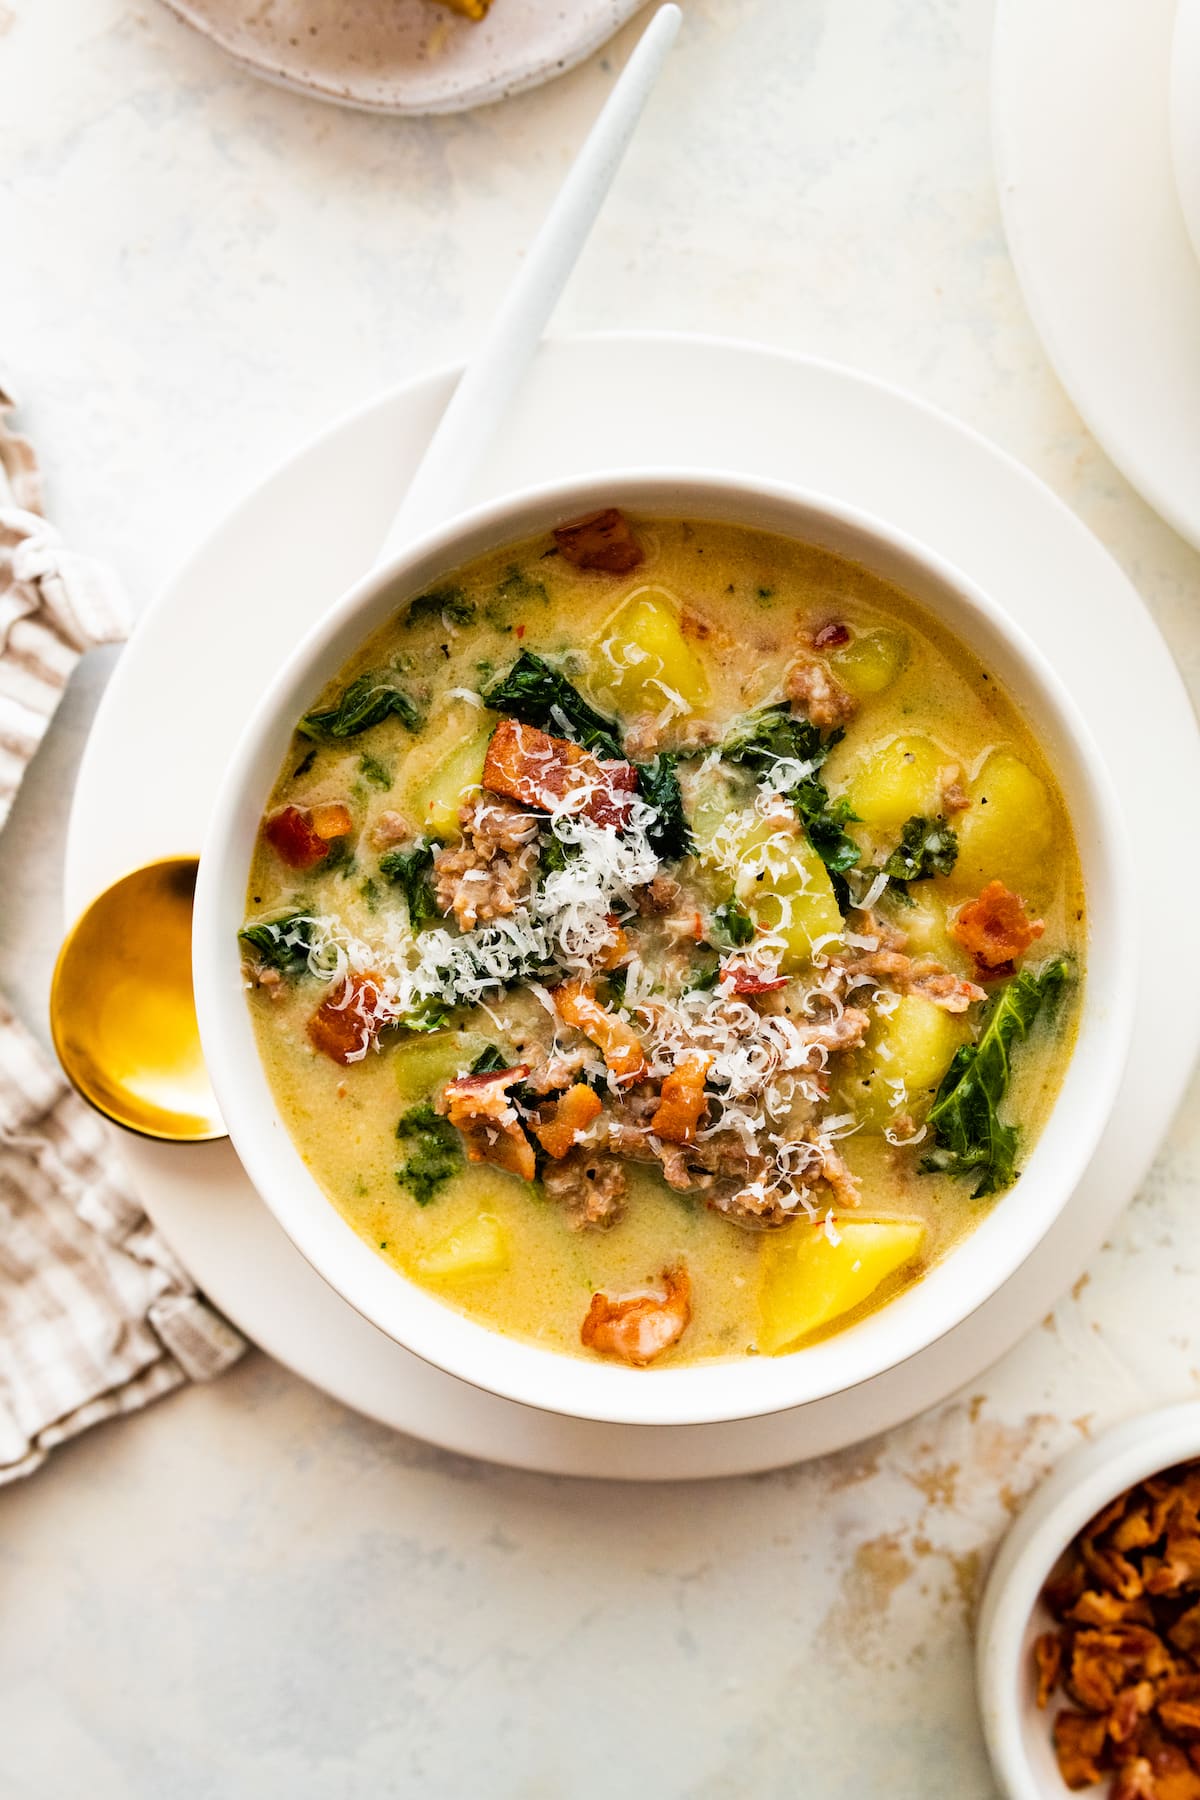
{"x":96,"y":1316}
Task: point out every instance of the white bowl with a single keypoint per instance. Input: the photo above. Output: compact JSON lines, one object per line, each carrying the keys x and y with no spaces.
{"x":1185,"y":114}
{"x":755,"y":1385}
{"x":1012,"y":1615}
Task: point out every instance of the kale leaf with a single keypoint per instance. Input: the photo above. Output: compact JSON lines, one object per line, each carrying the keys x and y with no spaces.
{"x":927,"y":847}
{"x":539,"y":695}
{"x":969,"y":1135}
{"x":658,"y":785}
{"x":410,"y":870}
{"x":734,"y":924}
{"x":488,"y":1061}
{"x":370,"y":698}
{"x":282,"y":943}
{"x":435,"y":1156}
{"x":377,"y":773}
{"x":447,"y":604}
{"x":767,"y":738}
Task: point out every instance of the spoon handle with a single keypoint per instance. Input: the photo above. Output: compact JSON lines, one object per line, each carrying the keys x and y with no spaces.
{"x":487,"y":387}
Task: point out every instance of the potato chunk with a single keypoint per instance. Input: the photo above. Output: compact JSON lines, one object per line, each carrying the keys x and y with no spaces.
{"x":904,"y":1059}
{"x":806,"y":1281}
{"x":782,"y":882}
{"x":870,"y":662}
{"x":1007,"y":832}
{"x":896,"y":781}
{"x":475,"y":1250}
{"x":437,"y":800}
{"x":642,"y":652}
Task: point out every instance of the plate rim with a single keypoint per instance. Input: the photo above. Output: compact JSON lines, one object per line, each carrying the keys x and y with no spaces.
{"x":733,"y":1456}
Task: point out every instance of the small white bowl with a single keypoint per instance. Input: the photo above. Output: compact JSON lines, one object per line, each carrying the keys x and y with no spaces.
{"x":1012,"y":1615}
{"x":747,"y":1388}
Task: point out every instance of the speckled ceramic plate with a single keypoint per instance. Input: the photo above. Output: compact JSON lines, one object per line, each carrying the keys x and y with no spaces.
{"x":407,"y":56}
{"x":269,"y":570}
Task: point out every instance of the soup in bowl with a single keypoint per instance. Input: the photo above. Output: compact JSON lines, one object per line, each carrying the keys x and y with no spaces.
{"x":663,"y":951}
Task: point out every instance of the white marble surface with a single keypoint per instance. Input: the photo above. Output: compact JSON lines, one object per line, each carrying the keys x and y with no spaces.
{"x":247,"y":1591}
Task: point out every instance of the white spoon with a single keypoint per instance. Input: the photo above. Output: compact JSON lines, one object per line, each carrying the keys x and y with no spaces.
{"x":485,"y":392}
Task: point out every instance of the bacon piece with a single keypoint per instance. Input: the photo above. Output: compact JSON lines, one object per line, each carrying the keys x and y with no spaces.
{"x":346,"y":1023}
{"x":831,"y":636}
{"x":618,"y":951}
{"x":294,"y":836}
{"x":681,"y":1101}
{"x":619,"y":1043}
{"x":573,"y":1113}
{"x":996,"y":928}
{"x":539,"y":770}
{"x":749,"y":979}
{"x":479,"y":1106}
{"x":1078,"y":1745}
{"x":603,"y":540}
{"x":1047,"y":1657}
{"x":639,"y":1327}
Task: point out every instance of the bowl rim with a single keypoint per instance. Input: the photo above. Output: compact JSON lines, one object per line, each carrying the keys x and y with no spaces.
{"x":1086,"y":1479}
{"x":550,"y":1380}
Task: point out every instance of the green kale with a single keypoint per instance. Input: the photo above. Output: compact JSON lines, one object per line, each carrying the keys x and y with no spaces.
{"x":377,"y":773}
{"x":304,"y":765}
{"x":658,"y":785}
{"x":773,"y":736}
{"x":927,"y":847}
{"x":282,"y":943}
{"x":518,"y":588}
{"x":449,"y":605}
{"x":370,"y":698}
{"x":705,"y":977}
{"x":489,"y":1060}
{"x":969,"y":1136}
{"x":554,"y":855}
{"x":410,"y":870}
{"x":539,"y":695}
{"x":435,"y":1156}
{"x":734,"y":924}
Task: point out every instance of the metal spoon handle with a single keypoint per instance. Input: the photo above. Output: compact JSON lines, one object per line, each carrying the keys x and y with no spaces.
{"x":487,"y":387}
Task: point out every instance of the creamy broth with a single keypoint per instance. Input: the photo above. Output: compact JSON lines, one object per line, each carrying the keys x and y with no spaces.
{"x":679,"y":655}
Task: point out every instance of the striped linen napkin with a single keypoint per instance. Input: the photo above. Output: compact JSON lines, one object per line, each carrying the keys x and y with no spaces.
{"x":96,"y":1315}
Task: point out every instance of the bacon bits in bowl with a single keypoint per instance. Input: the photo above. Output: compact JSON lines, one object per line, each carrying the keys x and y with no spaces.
{"x":1089,"y":1635}
{"x":663,"y":948}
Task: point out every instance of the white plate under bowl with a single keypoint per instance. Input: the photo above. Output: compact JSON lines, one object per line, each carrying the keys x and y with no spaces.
{"x":1086,"y":177}
{"x":407,"y":56}
{"x":300,"y":540}
{"x":1011,"y":1616}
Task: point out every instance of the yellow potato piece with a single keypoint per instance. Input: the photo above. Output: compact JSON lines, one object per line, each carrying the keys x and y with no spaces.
{"x":781,"y":880}
{"x":642,"y":652}
{"x":437,"y":800}
{"x":904,"y":1059}
{"x":896,"y":781}
{"x":477,"y":1249}
{"x":1007,"y":832}
{"x":870,"y":662}
{"x":426,"y":1062}
{"x":806,"y":1282}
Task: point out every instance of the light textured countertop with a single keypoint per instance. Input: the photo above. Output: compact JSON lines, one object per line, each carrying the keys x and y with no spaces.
{"x":247,"y":1591}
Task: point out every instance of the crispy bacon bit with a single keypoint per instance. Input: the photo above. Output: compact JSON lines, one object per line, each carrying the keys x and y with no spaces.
{"x":616,"y":1039}
{"x":996,"y":928}
{"x":681,"y":1101}
{"x":748,"y":978}
{"x":831,"y":636}
{"x":1127,"y":1644}
{"x":294,"y":837}
{"x":811,"y":688}
{"x":559,"y":1132}
{"x":331,"y":822}
{"x":346,"y":1023}
{"x":618,"y":951}
{"x":603,"y":540}
{"x":639,"y":1327}
{"x":539,"y":770}
{"x":479,"y":1106}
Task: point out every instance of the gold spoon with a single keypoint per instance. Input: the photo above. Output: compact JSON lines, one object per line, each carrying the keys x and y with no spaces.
{"x":122,"y":1012}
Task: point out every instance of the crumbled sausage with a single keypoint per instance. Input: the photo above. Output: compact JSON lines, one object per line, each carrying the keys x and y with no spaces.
{"x":814,"y":690}
{"x":591,"y":1186}
{"x":490,"y":872}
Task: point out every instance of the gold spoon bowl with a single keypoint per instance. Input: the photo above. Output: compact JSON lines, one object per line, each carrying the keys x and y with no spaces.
{"x":122,"y":1011}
